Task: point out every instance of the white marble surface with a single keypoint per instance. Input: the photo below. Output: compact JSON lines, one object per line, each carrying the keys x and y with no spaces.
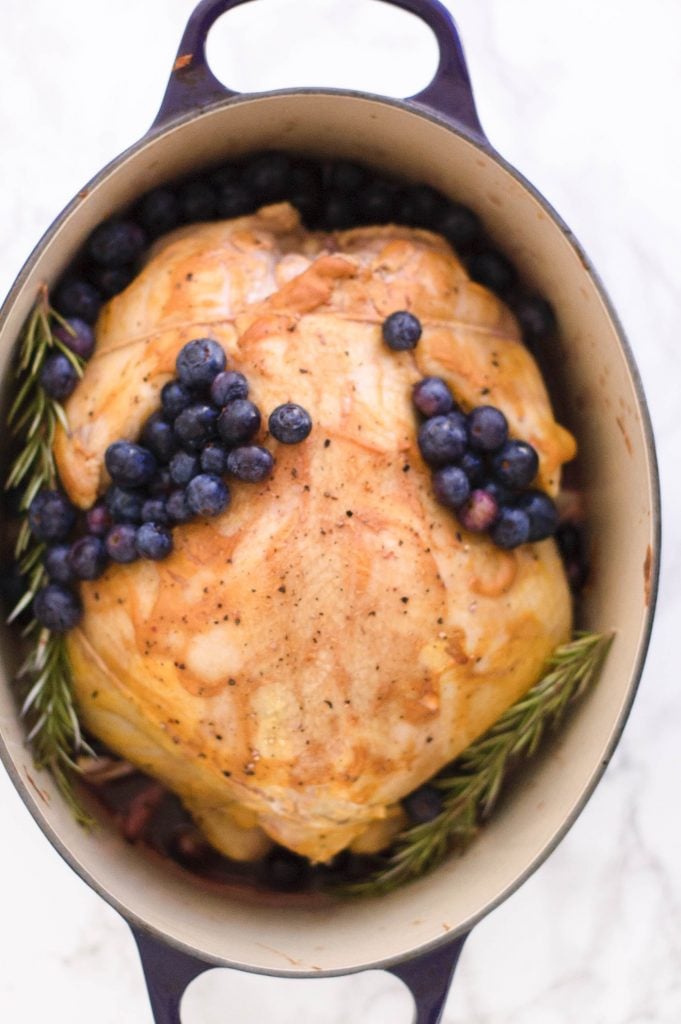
{"x":583,"y":97}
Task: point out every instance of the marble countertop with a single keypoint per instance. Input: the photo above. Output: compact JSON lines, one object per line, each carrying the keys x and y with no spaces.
{"x":582,"y":98}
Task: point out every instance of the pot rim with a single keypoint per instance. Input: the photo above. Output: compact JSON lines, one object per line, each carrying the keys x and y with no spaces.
{"x":481,"y":143}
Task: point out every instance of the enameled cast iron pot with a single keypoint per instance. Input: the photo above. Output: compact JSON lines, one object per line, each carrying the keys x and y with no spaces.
{"x":436,"y":138}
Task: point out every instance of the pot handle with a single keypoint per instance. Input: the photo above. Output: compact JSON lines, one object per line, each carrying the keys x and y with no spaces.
{"x":428,"y":978}
{"x":168,"y":972}
{"x":193,"y":86}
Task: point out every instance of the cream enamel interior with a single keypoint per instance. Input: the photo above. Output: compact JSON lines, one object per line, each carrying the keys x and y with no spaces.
{"x":598,"y":401}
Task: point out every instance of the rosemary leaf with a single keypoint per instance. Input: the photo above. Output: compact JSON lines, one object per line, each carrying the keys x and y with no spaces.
{"x":39,"y":354}
{"x":72,"y":358}
{"x":19,"y":607}
{"x":22,"y":464}
{"x":19,"y":400}
{"x":28,"y":348}
{"x":62,"y":322}
{"x":23,"y":539}
{"x":61,"y":415}
{"x":472,"y":783}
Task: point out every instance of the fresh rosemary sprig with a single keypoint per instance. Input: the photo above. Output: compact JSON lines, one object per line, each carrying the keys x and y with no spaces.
{"x":54,"y":732}
{"x":472,"y":783}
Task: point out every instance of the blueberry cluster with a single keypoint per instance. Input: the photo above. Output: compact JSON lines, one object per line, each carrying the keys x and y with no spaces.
{"x":478,"y":472}
{"x":330,"y":195}
{"x":203,"y":432}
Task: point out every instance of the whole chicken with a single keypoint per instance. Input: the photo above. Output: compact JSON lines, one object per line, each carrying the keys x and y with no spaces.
{"x":303,"y":661}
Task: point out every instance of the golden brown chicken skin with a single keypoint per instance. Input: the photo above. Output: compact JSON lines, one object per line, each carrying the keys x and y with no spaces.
{"x":306,"y":659}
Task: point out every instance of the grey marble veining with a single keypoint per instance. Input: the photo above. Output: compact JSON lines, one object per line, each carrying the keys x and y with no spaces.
{"x":583,"y":98}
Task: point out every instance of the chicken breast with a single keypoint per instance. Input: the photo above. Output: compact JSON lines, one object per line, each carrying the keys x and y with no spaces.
{"x":306,"y":659}
{"x":197,"y":281}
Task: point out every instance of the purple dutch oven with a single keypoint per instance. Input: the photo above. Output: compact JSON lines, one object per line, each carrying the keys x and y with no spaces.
{"x":416,"y":933}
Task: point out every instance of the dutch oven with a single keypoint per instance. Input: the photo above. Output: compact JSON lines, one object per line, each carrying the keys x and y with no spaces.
{"x":434,"y":137}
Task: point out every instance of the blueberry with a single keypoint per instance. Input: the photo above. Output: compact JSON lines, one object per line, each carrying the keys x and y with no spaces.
{"x":515,"y":464}
{"x":51,"y":516}
{"x":98,"y":520}
{"x":199,"y":362}
{"x":124,"y":506}
{"x":570,"y":540}
{"x":58,"y":376}
{"x":502,"y":494}
{"x":339,"y":211}
{"x":473,"y":466}
{"x":227,"y":386}
{"x":284,"y":871}
{"x":128,"y":464}
{"x":376,"y":202}
{"x":577,"y":572}
{"x":238,"y":421}
{"x":198,"y":201}
{"x":250,"y":463}
{"x":174,"y":398}
{"x":267,"y":176}
{"x":182,"y":467}
{"x":401,"y":331}
{"x":493,"y":270}
{"x":177,"y":507}
{"x":57,"y":563}
{"x":536,"y":317}
{"x":443,"y":439}
{"x":116,"y":242}
{"x":424,"y":804}
{"x":235,"y":201}
{"x":120,"y":543}
{"x":432,"y":397}
{"x":155,"y":510}
{"x":542,"y":513}
{"x":195,"y":426}
{"x":154,"y":541}
{"x":88,"y":558}
{"x":309,"y":206}
{"x":419,"y":206}
{"x":460,"y":226}
{"x":207,"y":495}
{"x":158,"y":212}
{"x":161,"y":482}
{"x":345,"y":867}
{"x":345,"y":176}
{"x":305,"y":192}
{"x":159,"y":437}
{"x":78,"y":299}
{"x":214,"y":459}
{"x":451,"y":486}
{"x":290,"y":423}
{"x":511,"y":529}
{"x":228,"y":174}
{"x":479,"y":512}
{"x":57,"y":608}
{"x":111,"y":280}
{"x":487,"y":428}
{"x":78,"y":336}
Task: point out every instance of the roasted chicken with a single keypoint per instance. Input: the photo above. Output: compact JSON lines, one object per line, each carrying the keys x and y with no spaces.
{"x":306,"y":659}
